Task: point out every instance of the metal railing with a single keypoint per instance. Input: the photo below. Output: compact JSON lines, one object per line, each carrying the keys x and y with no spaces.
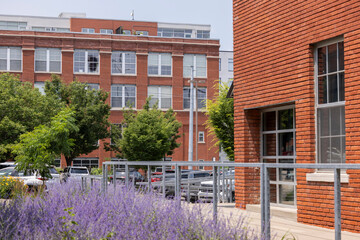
{"x":264,"y":182}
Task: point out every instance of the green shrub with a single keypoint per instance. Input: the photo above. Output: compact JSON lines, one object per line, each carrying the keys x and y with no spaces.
{"x":11,"y":187}
{"x":96,"y":171}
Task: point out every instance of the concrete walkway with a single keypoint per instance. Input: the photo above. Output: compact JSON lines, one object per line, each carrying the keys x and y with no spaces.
{"x":283,"y":226}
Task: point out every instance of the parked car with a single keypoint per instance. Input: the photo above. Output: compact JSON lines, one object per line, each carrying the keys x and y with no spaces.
{"x":30,"y":177}
{"x":206,"y":188}
{"x":132,"y":174}
{"x":76,"y":172}
{"x":7,"y":164}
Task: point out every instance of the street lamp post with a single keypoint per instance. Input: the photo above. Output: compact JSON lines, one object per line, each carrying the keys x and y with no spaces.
{"x":191,"y":120}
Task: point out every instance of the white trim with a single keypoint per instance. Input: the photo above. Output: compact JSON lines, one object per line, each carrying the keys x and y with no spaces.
{"x":326,"y":177}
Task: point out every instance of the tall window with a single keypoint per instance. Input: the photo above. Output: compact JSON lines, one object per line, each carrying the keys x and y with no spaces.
{"x":47,"y":60}
{"x":10,"y":59}
{"x":86,"y":61}
{"x":202,"y":34}
{"x":174,"y":32}
{"x":198,"y":62}
{"x":330,"y":77}
{"x":159,"y":64}
{"x":123,"y":62}
{"x":230,"y":64}
{"x":123,"y":96}
{"x":201,"y":98}
{"x":160,"y":95}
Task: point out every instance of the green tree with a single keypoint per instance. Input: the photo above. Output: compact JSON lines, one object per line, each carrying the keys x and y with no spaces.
{"x":22,"y":108}
{"x":149,"y":135}
{"x":91,"y":114}
{"x":38,"y":149}
{"x":221,"y":120}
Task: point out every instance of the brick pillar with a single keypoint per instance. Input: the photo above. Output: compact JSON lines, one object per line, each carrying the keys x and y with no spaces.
{"x":28,"y":62}
{"x":141,"y":80}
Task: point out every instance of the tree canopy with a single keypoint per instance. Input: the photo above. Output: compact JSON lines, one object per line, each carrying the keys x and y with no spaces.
{"x":38,"y":149}
{"x":149,"y":135}
{"x":91,"y":113}
{"x":22,"y":108}
{"x":221,"y":120}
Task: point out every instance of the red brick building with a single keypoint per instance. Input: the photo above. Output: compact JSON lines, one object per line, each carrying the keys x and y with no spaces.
{"x":296,"y":100}
{"x":129,"y":59}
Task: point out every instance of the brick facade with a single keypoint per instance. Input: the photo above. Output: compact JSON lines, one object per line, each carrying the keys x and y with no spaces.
{"x":273,"y":66}
{"x":142,"y":45}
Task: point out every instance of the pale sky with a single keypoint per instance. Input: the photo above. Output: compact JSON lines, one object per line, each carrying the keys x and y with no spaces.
{"x":217,"y":13}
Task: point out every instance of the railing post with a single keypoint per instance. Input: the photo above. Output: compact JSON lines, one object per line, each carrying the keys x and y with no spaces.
{"x":126,"y":175}
{"x":215,"y":192}
{"x":218,"y":183}
{"x":177,"y":180}
{"x":163,"y":181}
{"x":223,"y":184}
{"x":103,"y":178}
{"x":337,"y":203}
{"x":114,"y":176}
{"x":149,"y":177}
{"x":230,"y":190}
{"x":265,"y":201}
{"x":106,"y":177}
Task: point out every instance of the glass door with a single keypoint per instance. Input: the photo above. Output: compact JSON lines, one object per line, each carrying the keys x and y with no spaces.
{"x":278,"y":146}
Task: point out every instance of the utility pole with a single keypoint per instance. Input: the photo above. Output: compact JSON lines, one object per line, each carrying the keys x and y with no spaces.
{"x":191,"y":120}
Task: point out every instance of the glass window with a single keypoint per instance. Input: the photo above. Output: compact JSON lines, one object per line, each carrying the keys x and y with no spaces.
{"x":142,"y":33}
{"x":93,"y":86}
{"x":10,"y":59}
{"x":11,"y":25}
{"x":230,"y":64}
{"x":198,"y":62}
{"x":86,"y":162}
{"x":106,"y":31}
{"x":330,"y":102}
{"x":47,"y":60}
{"x":88,"y":30}
{"x":159,"y":64}
{"x":123,"y":96}
{"x":123,"y":62}
{"x":160,"y":95}
{"x":201,"y":98}
{"x":86,"y":61}
{"x":202,"y":34}
{"x":126,"y":32}
{"x":201,"y":137}
{"x":40,"y":86}
{"x":173,"y":32}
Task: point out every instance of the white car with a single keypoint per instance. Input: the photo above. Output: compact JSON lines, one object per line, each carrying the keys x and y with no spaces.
{"x":206,"y":189}
{"x":76,"y":172}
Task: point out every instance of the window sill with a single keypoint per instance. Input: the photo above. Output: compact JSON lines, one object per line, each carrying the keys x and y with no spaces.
{"x":83,"y":73}
{"x":121,"y":108}
{"x":164,"y":76}
{"x":48,"y":72}
{"x":326,"y":177}
{"x":126,"y":74}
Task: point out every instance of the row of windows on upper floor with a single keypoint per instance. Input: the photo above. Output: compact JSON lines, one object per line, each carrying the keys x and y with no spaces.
{"x":123,"y":95}
{"x":88,"y":61}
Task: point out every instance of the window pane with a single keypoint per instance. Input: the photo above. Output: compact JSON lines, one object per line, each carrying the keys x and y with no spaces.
{"x":55,"y":66}
{"x":116,"y":102}
{"x":40,"y":54}
{"x":322,"y":60}
{"x":15,"y":53}
{"x":324,"y":121}
{"x":165,"y":70}
{"x":333,"y":88}
{"x":40,"y":66}
{"x":130,"y":63}
{"x":3,"y":64}
{"x":332,"y":58}
{"x":335,"y":150}
{"x":342,"y":119}
{"x":341,"y":55}
{"x":286,"y":119}
{"x":324,"y":150}
{"x":286,"y":193}
{"x":15,"y":65}
{"x":286,"y":144}
{"x":335,"y":121}
{"x":286,"y":174}
{"x":55,"y":54}
{"x":341,"y":87}
{"x":93,"y":61}
{"x":269,"y":121}
{"x":79,"y":67}
{"x":322,"y":90}
{"x":269,"y":145}
{"x":153,"y":70}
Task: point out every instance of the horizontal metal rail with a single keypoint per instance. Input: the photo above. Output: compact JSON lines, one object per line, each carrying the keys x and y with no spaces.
{"x":178,"y":182}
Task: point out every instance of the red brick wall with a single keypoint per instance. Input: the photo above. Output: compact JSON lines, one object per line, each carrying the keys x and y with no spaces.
{"x":273,"y":64}
{"x":107,"y":43}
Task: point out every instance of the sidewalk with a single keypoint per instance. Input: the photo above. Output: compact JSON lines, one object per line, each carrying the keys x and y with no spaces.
{"x":281,"y":226}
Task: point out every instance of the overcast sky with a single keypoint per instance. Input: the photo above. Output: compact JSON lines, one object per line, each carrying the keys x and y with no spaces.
{"x":217,"y":13}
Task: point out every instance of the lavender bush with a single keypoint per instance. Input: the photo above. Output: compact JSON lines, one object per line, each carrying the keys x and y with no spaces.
{"x":67,"y":212}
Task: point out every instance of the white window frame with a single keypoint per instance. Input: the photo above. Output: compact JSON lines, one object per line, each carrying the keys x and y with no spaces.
{"x":195,"y":96}
{"x":86,"y":63}
{"x":159,"y":55}
{"x":160,"y":95}
{"x":194,"y":56}
{"x":327,"y":105}
{"x":48,"y":60}
{"x":8,"y":59}
{"x":230,"y":64}
{"x":93,"y":86}
{"x":201,"y":134}
{"x":106,"y":31}
{"x":123,"y":63}
{"x":123,"y":102}
{"x":87,"y":30}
